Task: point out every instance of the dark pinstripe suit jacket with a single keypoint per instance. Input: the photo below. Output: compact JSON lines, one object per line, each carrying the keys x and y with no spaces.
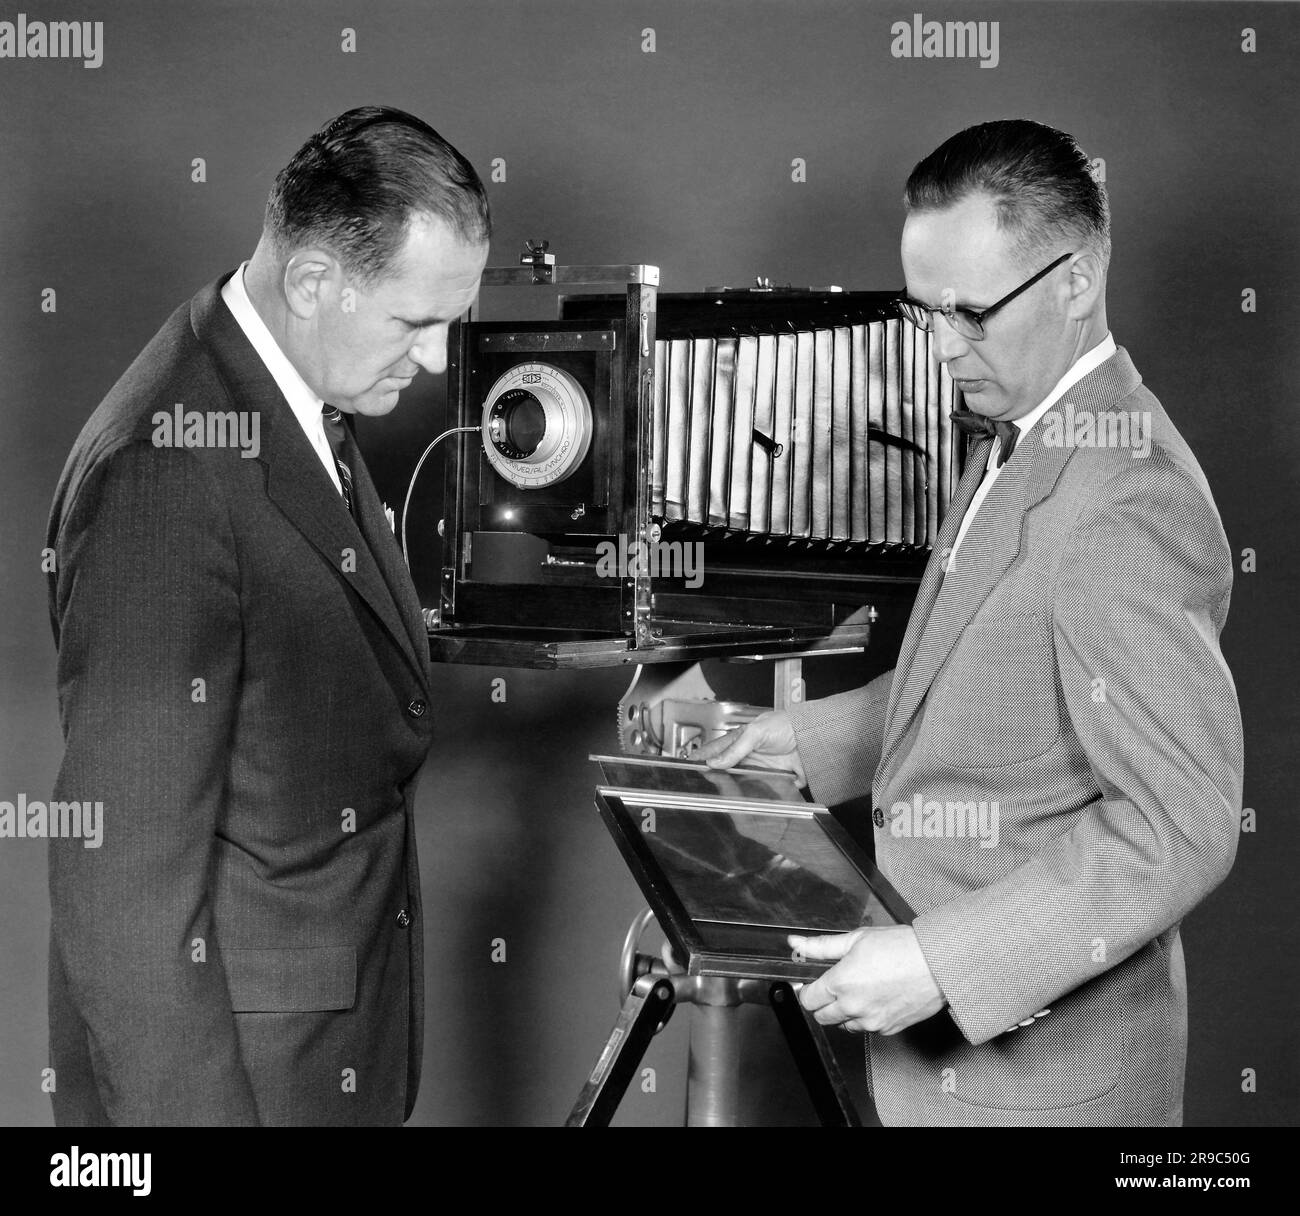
{"x":245,"y":947}
{"x":1068,"y":669}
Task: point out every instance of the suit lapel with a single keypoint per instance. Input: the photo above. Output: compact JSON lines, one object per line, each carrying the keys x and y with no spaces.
{"x":301,"y":488}
{"x":932,"y":581}
{"x":945,"y":604}
{"x":387,"y":552}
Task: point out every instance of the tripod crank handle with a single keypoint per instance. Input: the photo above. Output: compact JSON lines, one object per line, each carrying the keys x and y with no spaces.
{"x":629,"y":966}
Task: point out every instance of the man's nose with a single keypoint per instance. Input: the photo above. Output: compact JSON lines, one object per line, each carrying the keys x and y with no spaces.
{"x":429,"y":349}
{"x":948,"y":343}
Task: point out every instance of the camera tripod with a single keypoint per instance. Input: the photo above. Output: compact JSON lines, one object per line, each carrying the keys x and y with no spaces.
{"x":713,"y":1084}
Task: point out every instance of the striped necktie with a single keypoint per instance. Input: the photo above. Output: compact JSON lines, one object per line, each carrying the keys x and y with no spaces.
{"x":335,"y":433}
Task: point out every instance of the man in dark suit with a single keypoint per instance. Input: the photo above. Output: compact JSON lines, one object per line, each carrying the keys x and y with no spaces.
{"x":243,"y":669}
{"x":1055,"y":763}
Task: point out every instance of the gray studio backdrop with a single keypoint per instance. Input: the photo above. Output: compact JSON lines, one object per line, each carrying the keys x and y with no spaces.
{"x":680,"y":156}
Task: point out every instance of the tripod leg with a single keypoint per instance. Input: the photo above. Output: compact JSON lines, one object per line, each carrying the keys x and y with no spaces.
{"x":649,"y":1004}
{"x":817,"y":1066}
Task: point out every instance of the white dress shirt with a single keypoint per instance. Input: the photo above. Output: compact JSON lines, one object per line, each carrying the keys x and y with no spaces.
{"x":304,"y":403}
{"x":1080,"y":368}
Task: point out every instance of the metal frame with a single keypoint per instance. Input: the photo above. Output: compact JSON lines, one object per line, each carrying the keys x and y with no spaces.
{"x":676,"y":922}
{"x":604,"y":614}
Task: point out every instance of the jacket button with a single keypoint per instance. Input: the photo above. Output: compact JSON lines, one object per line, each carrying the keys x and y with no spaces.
{"x":878,"y":817}
{"x":416,"y":708}
{"x":403,"y":919}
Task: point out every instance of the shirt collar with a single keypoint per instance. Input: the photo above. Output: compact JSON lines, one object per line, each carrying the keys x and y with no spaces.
{"x":305,"y":404}
{"x":1084,"y":364}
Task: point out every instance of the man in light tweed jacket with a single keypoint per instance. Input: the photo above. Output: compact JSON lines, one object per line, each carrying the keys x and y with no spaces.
{"x":1056,"y":761}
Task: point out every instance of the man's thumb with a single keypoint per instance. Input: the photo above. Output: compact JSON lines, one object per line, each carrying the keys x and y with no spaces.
{"x":726,"y":751}
{"x":829,"y":948}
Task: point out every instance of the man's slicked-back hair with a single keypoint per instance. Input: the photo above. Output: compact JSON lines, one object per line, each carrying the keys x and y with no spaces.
{"x":1039,"y":180}
{"x":354,"y":187}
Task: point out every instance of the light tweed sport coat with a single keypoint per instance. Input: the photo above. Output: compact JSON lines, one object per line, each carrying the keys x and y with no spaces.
{"x":1069,"y":669}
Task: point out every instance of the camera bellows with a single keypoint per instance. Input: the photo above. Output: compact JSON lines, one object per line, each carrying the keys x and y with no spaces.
{"x":826,"y":434}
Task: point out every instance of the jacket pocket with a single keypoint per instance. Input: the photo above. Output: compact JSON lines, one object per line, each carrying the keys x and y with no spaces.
{"x":295,"y":980}
{"x":996,"y":702}
{"x":1070,"y":1057}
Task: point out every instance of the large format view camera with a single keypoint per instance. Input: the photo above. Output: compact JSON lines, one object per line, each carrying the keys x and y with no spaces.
{"x":735,"y":474}
{"x":717,"y":473}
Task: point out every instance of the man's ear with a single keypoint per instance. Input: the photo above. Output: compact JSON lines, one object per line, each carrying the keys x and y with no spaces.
{"x":310,"y":277}
{"x":1087,"y":282}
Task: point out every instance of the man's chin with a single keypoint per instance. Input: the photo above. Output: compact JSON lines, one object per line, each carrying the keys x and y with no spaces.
{"x":376,"y":403}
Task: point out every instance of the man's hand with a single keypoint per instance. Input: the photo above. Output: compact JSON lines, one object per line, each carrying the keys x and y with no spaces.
{"x":881,"y":982}
{"x":766,"y":742}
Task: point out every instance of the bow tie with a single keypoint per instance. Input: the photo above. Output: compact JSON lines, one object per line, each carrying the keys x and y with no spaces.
{"x":971,"y":423}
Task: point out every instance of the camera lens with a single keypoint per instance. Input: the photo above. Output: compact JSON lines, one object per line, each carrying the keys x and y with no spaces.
{"x":518,"y":423}
{"x":537,"y":425}
{"x":524,"y":420}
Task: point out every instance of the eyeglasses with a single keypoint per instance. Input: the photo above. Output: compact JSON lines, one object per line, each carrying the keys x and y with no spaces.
{"x":968,"y":322}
